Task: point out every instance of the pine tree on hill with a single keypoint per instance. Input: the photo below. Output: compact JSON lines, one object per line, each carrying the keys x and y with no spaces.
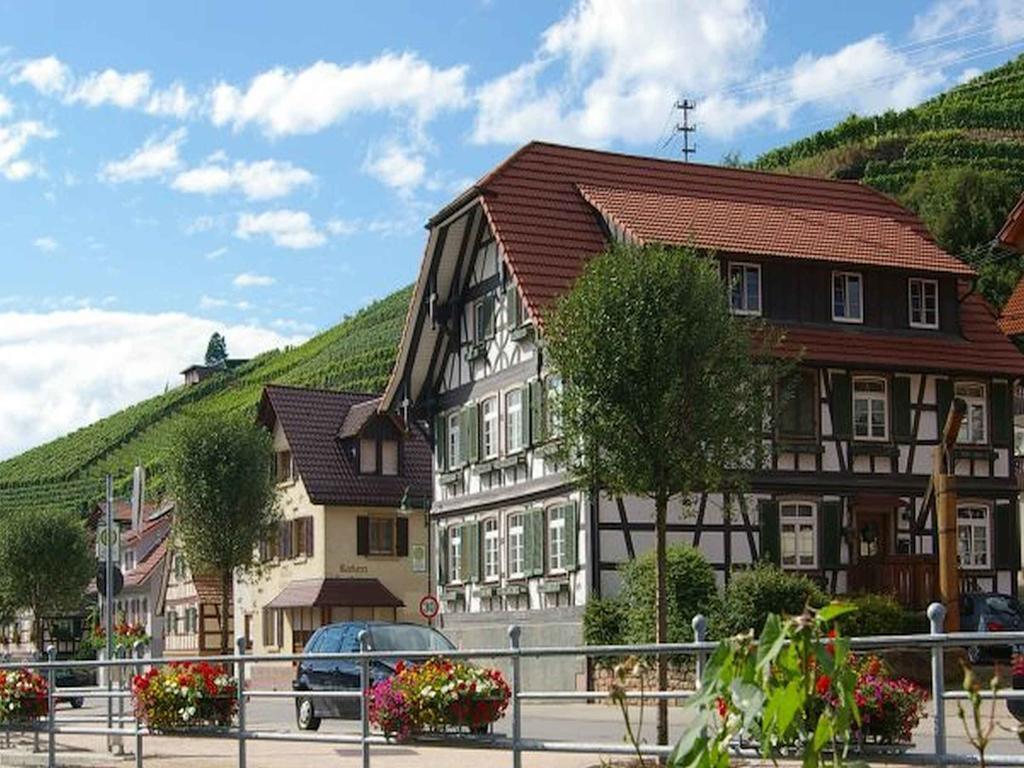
{"x":216,"y":351}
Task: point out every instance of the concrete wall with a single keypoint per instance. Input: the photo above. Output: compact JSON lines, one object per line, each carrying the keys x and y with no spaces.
{"x":551,"y":627}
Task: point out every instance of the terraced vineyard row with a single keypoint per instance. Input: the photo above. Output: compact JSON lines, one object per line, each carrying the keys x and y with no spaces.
{"x":356,"y":354}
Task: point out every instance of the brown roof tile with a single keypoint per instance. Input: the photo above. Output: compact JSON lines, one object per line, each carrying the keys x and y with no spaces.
{"x":312,"y":420}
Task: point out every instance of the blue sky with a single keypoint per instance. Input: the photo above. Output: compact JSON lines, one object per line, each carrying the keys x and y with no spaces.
{"x":265,"y":168}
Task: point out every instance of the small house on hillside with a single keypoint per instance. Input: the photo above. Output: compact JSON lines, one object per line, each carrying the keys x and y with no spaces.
{"x":198,"y":372}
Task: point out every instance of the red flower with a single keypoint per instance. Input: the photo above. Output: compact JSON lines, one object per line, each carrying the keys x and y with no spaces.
{"x":723,"y":707}
{"x":830,"y":646}
{"x":823,"y":685}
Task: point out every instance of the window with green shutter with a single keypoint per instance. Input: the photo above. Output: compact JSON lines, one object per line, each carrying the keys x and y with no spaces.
{"x":471,"y":433}
{"x":470,"y":552}
{"x":440,"y":441}
{"x":841,"y":405}
{"x":513,"y":312}
{"x":768,"y":520}
{"x":534,"y":542}
{"x":901,"y":422}
{"x":537,"y":422}
{"x":798,"y":406}
{"x":572,"y":535}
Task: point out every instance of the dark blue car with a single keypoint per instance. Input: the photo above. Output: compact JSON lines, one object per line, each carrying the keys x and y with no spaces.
{"x":990,"y":612}
{"x":315,"y":675}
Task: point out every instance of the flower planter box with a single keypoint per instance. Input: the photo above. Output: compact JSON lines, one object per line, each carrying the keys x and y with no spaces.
{"x":185,"y":698}
{"x":22,"y":696}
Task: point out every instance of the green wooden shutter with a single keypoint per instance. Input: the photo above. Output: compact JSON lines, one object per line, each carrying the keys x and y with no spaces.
{"x":842,"y":405}
{"x":512,"y":307}
{"x":901,"y":425}
{"x":471,"y":546}
{"x":943,"y":399}
{"x":536,"y":412}
{"x":1002,"y":415}
{"x":572,"y":528}
{"x":441,"y":441}
{"x":470,"y":417}
{"x":768,"y":520}
{"x":831,"y":533}
{"x":524,"y":416}
{"x":488,"y":304}
{"x":1006,"y":537}
{"x":533,"y":542}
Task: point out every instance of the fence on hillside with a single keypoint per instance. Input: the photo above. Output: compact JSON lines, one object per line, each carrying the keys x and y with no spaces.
{"x":125,"y":726}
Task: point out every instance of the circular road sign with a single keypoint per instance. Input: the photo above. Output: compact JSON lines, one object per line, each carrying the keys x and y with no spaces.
{"x":101,"y":580}
{"x":429,"y":606}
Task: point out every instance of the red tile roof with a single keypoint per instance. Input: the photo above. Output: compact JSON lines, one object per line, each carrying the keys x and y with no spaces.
{"x":548,"y":229}
{"x":148,"y":565}
{"x":983,"y":349}
{"x":311,"y":420}
{"x":357,"y":593}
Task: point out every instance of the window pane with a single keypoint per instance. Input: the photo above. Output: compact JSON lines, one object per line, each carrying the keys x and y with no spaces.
{"x":367,"y":455}
{"x":389,"y":457}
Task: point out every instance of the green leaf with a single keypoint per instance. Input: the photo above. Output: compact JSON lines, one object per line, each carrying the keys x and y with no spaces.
{"x":790,"y":701}
{"x":834,"y":610}
{"x":773,"y":639}
{"x":688,"y":750}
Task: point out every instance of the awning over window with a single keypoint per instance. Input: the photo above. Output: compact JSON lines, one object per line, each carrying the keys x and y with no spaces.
{"x":353,"y":593}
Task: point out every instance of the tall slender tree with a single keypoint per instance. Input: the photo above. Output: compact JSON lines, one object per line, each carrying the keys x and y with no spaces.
{"x":45,"y":564}
{"x":216,"y":350}
{"x":219,"y":476}
{"x":666,"y":392}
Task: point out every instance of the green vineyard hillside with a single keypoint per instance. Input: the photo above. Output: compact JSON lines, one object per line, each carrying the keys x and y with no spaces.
{"x":979,"y":125}
{"x":356,"y":354}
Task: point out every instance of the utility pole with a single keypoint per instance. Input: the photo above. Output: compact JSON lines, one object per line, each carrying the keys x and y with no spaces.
{"x":685,"y":128}
{"x":108,"y":600}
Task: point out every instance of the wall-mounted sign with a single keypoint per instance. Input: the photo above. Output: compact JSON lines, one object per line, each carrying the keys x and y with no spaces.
{"x":351,"y":568}
{"x":418,"y":558}
{"x":101,"y":543}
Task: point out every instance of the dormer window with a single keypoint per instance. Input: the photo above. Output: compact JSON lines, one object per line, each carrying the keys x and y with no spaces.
{"x":285,"y":467}
{"x":924,"y":302}
{"x":745,"y":288}
{"x":367,"y":456}
{"x":847,"y":297}
{"x":378,"y":453}
{"x":389,"y":457}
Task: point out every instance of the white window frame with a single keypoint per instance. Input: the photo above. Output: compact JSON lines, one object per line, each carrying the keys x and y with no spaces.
{"x":556,"y":539}
{"x":492,"y":549}
{"x":455,"y":554}
{"x":871,"y":398}
{"x":742,"y":268}
{"x":490,"y":431}
{"x":923,"y":283}
{"x":514,"y":437}
{"x":516,"y":545}
{"x":975,"y":404}
{"x":970,"y":527}
{"x":845,"y":277}
{"x":801,"y":527}
{"x":454,"y":422}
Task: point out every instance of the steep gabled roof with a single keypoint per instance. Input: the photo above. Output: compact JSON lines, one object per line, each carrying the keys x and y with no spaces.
{"x":312,"y":420}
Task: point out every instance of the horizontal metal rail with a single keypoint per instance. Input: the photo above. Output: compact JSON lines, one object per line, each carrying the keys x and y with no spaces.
{"x":367,"y":659}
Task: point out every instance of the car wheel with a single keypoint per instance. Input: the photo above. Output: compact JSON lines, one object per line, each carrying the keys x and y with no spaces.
{"x":974,"y":654}
{"x":77,"y":702}
{"x":305,"y":716}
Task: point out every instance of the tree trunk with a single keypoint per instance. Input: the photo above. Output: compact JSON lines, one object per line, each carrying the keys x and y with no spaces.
{"x":225,"y":606}
{"x":37,"y":632}
{"x":661,"y":630}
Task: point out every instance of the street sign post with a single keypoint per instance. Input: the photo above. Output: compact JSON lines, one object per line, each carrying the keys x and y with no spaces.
{"x":103,"y":533}
{"x":429,"y":607}
{"x":101,"y":580}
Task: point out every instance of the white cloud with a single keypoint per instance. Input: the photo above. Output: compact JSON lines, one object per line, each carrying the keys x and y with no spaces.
{"x":282,"y":102}
{"x":45,"y":244}
{"x":14,"y":138}
{"x":252,"y":280}
{"x":260,"y":180}
{"x":967,"y":75}
{"x":127,"y":90}
{"x":286,"y":228}
{"x":156,"y":157}
{"x":216,"y":253}
{"x":47,"y":75}
{"x":211,"y":302}
{"x":5,"y":106}
{"x":55,"y":366}
{"x":342,"y":227}
{"x":397,"y":166}
{"x":121,"y":89}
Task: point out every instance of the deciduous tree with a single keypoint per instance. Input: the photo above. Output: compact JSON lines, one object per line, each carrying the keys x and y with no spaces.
{"x":664,"y":392}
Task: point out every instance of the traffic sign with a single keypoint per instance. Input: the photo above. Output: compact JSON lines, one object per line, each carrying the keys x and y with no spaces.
{"x":429,"y":607}
{"x":101,"y":580}
{"x":115,"y":543}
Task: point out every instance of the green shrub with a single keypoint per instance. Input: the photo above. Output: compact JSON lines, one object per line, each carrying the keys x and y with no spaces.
{"x":604,"y":622}
{"x":880,"y":615}
{"x":753,"y":594}
{"x":691,"y":590}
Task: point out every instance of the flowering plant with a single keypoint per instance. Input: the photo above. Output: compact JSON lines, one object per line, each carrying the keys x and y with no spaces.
{"x":183,"y":695}
{"x":435,"y":695}
{"x":22,"y":695}
{"x":890,"y":708}
{"x":126,"y":635}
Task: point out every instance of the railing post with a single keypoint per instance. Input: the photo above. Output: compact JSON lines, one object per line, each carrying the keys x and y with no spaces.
{"x":51,"y":707}
{"x":120,"y":654}
{"x":140,"y":649}
{"x":514,"y":632}
{"x":936,"y":619}
{"x":364,"y":697}
{"x":240,"y":676}
{"x":700,"y":632}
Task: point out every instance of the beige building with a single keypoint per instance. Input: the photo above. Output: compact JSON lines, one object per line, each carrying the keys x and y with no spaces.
{"x":190,"y":611}
{"x":345,"y":549}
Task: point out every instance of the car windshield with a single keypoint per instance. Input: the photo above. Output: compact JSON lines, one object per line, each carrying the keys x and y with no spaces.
{"x":407,"y":637}
{"x":1004,"y":604}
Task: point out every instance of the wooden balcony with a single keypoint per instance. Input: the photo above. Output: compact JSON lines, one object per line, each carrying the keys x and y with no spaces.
{"x":911,"y":579}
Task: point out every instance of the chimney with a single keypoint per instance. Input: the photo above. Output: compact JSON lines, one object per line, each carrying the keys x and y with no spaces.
{"x":138,"y":495}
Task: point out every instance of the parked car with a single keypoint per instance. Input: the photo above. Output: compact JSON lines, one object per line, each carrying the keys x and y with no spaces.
{"x":314,"y":674}
{"x":990,"y":612}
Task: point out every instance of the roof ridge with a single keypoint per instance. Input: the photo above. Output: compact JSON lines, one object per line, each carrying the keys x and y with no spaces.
{"x":324,"y":390}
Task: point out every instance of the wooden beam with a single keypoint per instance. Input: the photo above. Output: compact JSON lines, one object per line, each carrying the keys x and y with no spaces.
{"x":944,"y":486}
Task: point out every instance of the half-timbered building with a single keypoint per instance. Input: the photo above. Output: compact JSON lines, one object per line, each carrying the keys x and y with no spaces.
{"x":887,"y":327}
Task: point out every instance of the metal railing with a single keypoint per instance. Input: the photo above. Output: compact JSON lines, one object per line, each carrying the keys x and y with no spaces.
{"x":124,"y":726}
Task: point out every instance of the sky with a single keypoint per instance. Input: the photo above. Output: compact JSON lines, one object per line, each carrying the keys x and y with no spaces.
{"x":264,"y":169}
